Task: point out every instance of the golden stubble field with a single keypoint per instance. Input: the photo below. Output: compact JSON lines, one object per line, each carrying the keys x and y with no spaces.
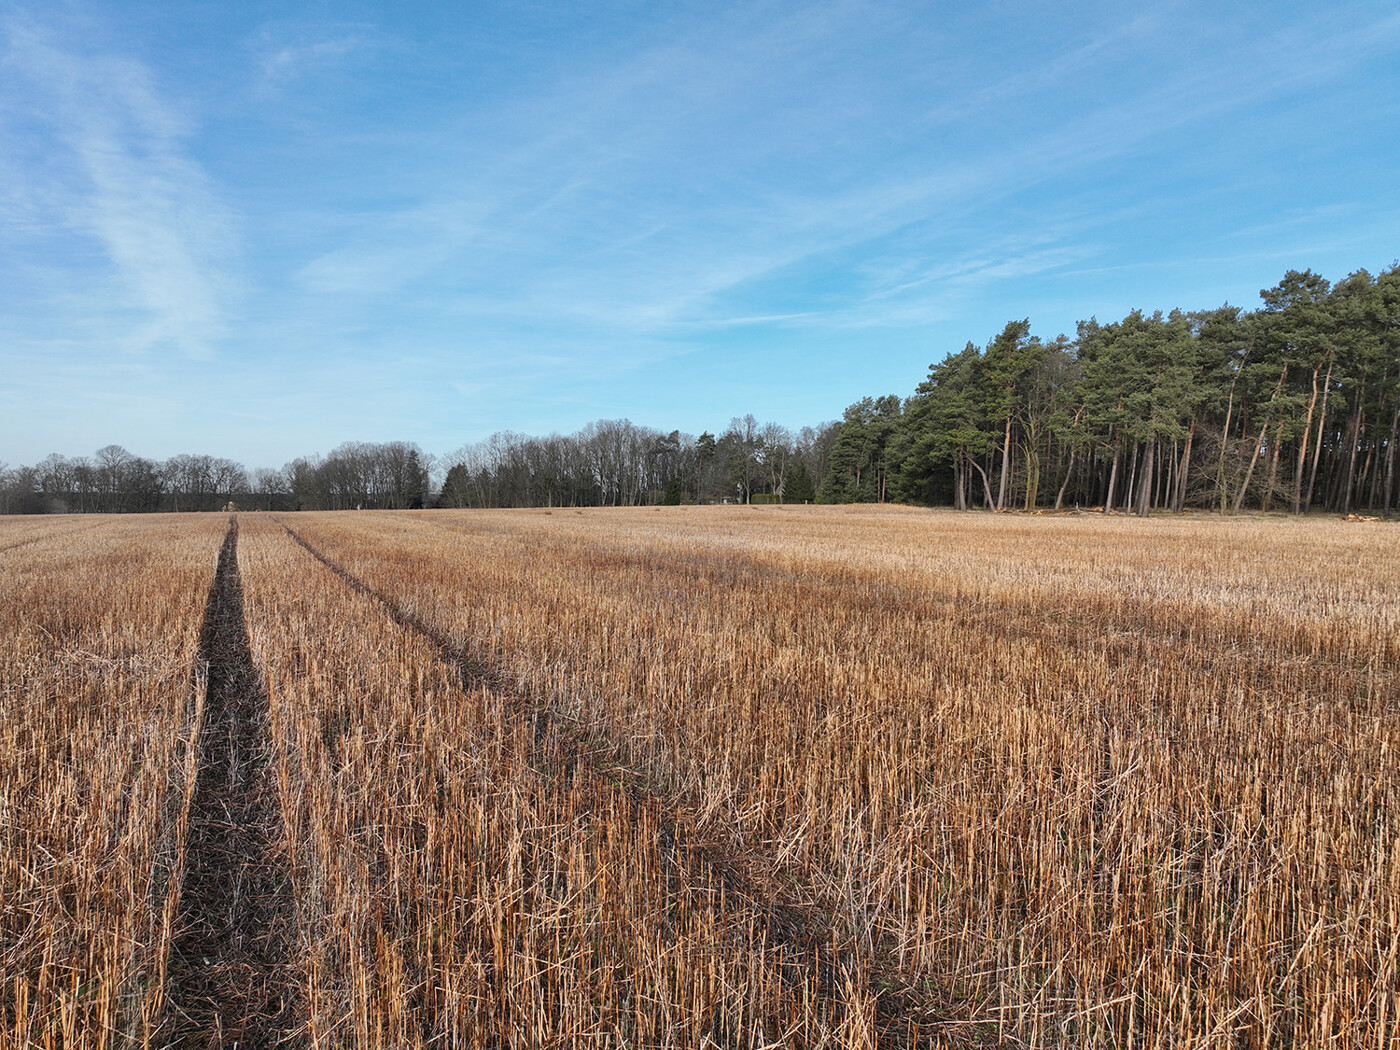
{"x":714,"y":777}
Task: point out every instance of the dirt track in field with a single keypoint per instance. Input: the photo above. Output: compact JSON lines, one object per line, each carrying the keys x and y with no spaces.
{"x":230,"y":981}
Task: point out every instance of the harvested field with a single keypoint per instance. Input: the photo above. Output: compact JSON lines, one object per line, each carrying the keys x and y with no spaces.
{"x":100,"y":702}
{"x":460,"y":862}
{"x":1083,"y":782}
{"x":730,"y":777}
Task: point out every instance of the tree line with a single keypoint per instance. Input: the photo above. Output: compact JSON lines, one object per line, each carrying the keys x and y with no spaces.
{"x":617,"y":463}
{"x":355,"y":475}
{"x":1293,"y":406}
{"x":607,"y":463}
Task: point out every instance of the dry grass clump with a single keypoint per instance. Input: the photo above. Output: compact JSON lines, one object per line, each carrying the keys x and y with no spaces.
{"x":464,"y":876}
{"x":1112,"y":783}
{"x":99,"y":628}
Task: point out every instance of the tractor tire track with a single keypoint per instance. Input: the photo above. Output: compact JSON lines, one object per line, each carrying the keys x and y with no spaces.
{"x":800,"y":930}
{"x":231,"y":983}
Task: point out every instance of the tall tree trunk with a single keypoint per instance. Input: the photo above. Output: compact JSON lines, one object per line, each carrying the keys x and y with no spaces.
{"x":1390,"y":463}
{"x":1220,"y":486}
{"x":1344,"y":496}
{"x":1295,"y":505}
{"x":1373,"y":475}
{"x":1338,"y":487}
{"x":1069,"y":473}
{"x":1350,"y":493}
{"x":1356,"y":434}
{"x":986,"y":482}
{"x":1013,"y":471}
{"x":1168,"y":479}
{"x":1032,"y":475}
{"x":1005,"y":464}
{"x":1131,"y":491}
{"x":1184,"y":471}
{"x":1317,"y":444}
{"x":1144,"y":503}
{"x":1274,"y":454}
{"x":1112,"y":480}
{"x":1165,"y":485}
{"x":1249,"y":474}
{"x":1259,"y":446}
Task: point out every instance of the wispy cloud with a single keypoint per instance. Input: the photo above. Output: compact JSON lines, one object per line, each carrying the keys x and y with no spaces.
{"x":117,"y":153}
{"x":1035,"y":79}
{"x":287,"y":62}
{"x":453,"y":211}
{"x":898,"y":290}
{"x":287,"y":53}
{"x":647,"y":196}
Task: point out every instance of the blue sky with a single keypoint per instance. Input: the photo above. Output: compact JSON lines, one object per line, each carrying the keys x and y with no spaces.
{"x":258,"y":230}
